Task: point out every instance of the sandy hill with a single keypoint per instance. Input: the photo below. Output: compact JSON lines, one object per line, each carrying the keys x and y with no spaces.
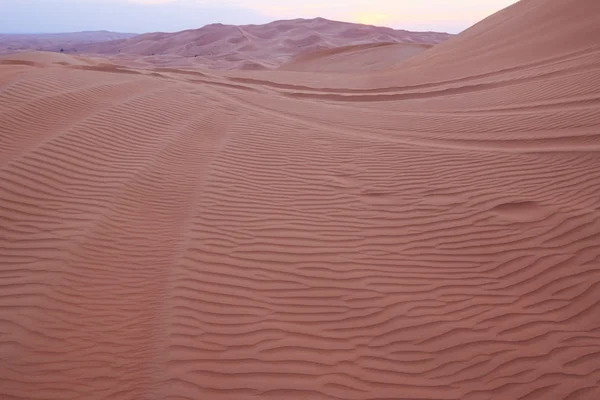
{"x":44,"y":59}
{"x":227,"y":46}
{"x":10,"y":43}
{"x":426,"y":231}
{"x":496,"y":45}
{"x":354,"y":58}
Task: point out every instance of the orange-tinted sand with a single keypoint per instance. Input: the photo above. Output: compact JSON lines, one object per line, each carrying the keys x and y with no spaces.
{"x":430,"y":230}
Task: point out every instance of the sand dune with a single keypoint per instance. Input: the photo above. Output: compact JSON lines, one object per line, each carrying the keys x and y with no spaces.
{"x":175,"y":234}
{"x":56,"y":41}
{"x":365,"y":57}
{"x":253,"y":46}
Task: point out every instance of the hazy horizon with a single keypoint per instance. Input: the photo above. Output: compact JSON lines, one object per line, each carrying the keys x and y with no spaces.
{"x":142,"y":16}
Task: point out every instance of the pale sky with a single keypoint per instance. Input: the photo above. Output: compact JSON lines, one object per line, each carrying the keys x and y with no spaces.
{"x":139,"y":16}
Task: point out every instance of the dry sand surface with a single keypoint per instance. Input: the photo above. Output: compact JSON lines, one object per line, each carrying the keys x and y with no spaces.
{"x":56,"y":41}
{"x":252,"y":47}
{"x":365,"y":57}
{"x":426,"y":231}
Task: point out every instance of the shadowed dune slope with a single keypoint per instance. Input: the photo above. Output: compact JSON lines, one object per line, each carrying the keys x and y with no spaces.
{"x":175,"y":234}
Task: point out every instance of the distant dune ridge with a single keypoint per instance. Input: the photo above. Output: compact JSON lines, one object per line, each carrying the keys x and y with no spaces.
{"x":218,"y":46}
{"x":269,"y":45}
{"x":56,"y":41}
{"x":376,"y":221}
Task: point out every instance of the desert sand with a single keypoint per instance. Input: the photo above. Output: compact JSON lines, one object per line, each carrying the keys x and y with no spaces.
{"x":56,"y":41}
{"x":425,"y":230}
{"x":245,"y":47}
{"x":251,"y":47}
{"x":354,"y":58}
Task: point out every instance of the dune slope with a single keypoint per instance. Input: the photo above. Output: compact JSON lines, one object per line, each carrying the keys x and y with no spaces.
{"x":173,"y":234}
{"x":357,"y":58}
{"x":268,"y":45}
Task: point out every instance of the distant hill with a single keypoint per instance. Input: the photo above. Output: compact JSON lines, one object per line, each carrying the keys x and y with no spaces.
{"x":55,"y":41}
{"x":268,"y":45}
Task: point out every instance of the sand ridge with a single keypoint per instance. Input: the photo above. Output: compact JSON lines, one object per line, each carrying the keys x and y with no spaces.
{"x":10,"y":43}
{"x":355,"y":58}
{"x":251,"y":47}
{"x":169,"y":233}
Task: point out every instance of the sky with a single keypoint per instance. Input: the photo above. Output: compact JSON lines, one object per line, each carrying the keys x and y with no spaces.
{"x":140,"y":16}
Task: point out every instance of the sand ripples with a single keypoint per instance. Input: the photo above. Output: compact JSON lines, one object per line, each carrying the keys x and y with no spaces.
{"x":165,"y":238}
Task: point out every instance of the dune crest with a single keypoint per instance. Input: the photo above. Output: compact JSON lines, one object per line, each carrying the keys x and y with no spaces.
{"x":250,"y":46}
{"x":429,"y":230}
